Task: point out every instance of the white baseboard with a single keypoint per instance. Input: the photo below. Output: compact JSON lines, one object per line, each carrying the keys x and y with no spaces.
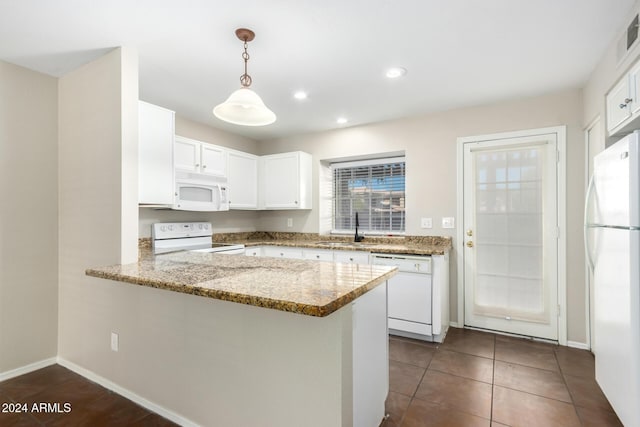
{"x":454,"y":324}
{"x":580,"y":345}
{"x":28,"y":368}
{"x":166,"y":413}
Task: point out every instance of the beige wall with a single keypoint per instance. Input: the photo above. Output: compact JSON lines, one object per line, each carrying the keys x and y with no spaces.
{"x":28,"y":217}
{"x":230,"y":221}
{"x":430,"y":145}
{"x":98,"y":106}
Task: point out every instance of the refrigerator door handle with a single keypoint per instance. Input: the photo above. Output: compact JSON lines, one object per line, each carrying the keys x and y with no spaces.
{"x":587,"y":204}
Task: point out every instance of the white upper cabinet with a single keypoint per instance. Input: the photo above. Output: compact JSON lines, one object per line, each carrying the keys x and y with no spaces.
{"x":285,"y":181}
{"x":214,"y":160}
{"x":623,"y":103}
{"x":155,"y":154}
{"x":243,"y":180}
{"x":200,"y":157}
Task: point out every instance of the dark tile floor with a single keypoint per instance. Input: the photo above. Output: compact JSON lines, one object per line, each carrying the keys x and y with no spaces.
{"x":90,"y":403}
{"x":472,"y":379}
{"x":481,"y":379}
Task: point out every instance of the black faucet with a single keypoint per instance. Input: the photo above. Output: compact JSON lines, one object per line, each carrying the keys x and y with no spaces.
{"x":357,"y":238}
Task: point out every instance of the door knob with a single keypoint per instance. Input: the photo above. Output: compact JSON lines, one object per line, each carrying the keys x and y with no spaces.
{"x":469,"y":232}
{"x":469,"y":244}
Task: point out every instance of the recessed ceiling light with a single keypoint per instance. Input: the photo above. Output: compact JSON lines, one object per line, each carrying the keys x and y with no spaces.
{"x":300,"y":95}
{"x":395,"y":72}
{"x":341,"y":120}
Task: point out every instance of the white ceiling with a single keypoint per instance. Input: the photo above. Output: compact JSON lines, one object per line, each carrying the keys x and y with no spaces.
{"x":457,"y":52}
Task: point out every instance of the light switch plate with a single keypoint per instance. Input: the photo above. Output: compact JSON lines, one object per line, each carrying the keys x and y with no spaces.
{"x":448,"y":222}
{"x":114,"y":341}
{"x":289,"y":222}
{"x":426,"y":223}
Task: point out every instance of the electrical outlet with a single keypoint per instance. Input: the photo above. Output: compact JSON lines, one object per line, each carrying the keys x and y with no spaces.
{"x":289,"y":222}
{"x":114,"y":341}
{"x":448,"y":222}
{"x":426,"y":223}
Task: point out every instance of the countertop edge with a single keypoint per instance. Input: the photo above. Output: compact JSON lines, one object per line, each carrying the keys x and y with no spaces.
{"x":256,"y":301}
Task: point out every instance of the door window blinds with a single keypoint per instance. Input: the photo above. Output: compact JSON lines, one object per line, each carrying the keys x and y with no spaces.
{"x":375,"y":189}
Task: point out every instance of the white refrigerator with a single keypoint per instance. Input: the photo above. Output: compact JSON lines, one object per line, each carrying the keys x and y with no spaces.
{"x":612,"y":239}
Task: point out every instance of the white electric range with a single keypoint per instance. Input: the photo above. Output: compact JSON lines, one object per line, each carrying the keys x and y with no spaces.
{"x":189,"y":236}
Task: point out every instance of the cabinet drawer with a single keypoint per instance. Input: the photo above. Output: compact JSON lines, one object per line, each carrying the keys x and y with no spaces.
{"x":354,"y":257}
{"x":282,"y":252}
{"x":256,"y":251}
{"x":317,"y":255}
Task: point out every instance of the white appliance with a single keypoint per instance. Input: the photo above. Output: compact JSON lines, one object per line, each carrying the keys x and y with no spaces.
{"x":410,"y":296}
{"x":612,"y":240}
{"x":191,"y":236}
{"x":200,"y":195}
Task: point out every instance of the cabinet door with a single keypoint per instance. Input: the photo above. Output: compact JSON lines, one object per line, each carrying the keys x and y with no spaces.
{"x":155,"y":154}
{"x":619,"y":104}
{"x":634,"y":89}
{"x":186,"y":155}
{"x":281,"y":181}
{"x":243,"y":180}
{"x":214,"y":160}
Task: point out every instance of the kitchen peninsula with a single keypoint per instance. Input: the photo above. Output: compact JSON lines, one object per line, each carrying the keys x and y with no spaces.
{"x":297,"y":342}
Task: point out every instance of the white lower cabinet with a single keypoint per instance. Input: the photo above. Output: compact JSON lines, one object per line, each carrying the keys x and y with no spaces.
{"x":370,"y":357}
{"x":282,"y":252}
{"x":351,"y":257}
{"x":253,"y":251}
{"x":317,"y":254}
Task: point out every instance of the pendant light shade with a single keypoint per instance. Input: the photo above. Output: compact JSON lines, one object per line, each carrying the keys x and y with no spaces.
{"x":244,"y":107}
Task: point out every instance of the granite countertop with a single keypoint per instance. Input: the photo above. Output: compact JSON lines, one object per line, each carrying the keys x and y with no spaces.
{"x":306,"y":287}
{"x":412,"y":245}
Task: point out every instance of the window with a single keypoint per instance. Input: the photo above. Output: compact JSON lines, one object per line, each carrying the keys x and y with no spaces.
{"x":375,"y":190}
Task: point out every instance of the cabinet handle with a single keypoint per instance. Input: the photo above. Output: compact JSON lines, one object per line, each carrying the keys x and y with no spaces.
{"x":626,"y":102}
{"x":351,"y":259}
{"x":204,"y":166}
{"x":318,"y":256}
{"x":296,"y":202}
{"x":197,"y":165}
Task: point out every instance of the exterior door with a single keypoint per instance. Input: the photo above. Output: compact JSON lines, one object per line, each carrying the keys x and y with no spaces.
{"x":511,"y":235}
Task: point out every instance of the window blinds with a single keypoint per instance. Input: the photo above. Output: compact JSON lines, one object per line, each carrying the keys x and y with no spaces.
{"x":375,"y":189}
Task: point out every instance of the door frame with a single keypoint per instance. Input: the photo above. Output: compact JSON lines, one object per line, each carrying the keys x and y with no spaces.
{"x":561,"y":194}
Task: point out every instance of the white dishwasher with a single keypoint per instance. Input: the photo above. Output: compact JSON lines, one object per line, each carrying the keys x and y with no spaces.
{"x":410,"y":295}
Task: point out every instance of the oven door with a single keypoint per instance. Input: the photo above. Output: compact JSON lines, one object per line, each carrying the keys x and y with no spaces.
{"x":197,"y":196}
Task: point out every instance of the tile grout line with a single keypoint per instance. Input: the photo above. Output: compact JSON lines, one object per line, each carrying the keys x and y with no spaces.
{"x":564,"y":381}
{"x":493,"y":381}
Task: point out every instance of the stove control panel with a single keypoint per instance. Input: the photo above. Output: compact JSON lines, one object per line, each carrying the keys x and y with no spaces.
{"x":180,"y":230}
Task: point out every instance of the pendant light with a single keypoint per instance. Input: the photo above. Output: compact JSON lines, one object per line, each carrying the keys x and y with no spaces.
{"x":244,"y":107}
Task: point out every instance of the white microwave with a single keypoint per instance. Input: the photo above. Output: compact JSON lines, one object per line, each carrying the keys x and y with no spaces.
{"x":195,"y":195}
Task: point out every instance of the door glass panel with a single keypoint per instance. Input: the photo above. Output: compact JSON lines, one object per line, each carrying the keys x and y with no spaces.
{"x":509,"y":211}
